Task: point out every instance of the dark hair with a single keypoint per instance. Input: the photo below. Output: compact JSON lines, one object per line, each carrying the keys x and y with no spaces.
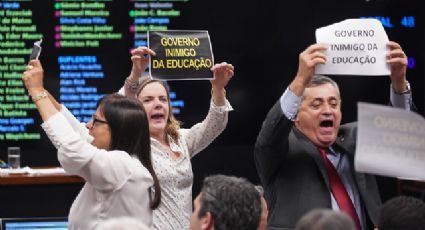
{"x":321,"y":80}
{"x":129,"y":127}
{"x":402,"y":213}
{"x":233,"y":202}
{"x":173,"y":125}
{"x":325,"y":219}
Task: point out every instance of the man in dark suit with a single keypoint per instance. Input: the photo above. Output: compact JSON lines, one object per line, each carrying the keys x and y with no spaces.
{"x":305,"y":158}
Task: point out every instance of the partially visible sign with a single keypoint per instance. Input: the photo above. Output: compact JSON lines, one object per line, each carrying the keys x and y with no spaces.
{"x":390,"y":142}
{"x":181,"y":55}
{"x":356,"y":47}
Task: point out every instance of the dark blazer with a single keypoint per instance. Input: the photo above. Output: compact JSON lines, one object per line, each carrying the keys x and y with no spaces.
{"x":294,"y":176}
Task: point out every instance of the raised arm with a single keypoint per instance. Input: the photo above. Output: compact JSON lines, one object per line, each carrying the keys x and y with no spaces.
{"x":223,"y":72}
{"x":47,"y":106}
{"x":140,"y":63}
{"x":308,"y":59}
{"x":401,"y":95}
{"x":202,"y":134}
{"x":273,"y":140}
{"x":398,"y":64}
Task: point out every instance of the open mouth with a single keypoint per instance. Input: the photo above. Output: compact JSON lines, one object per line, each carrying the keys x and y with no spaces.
{"x":157,"y":116}
{"x":326,"y":124}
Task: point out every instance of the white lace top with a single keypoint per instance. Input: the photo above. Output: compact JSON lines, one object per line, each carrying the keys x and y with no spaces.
{"x":176,"y":176}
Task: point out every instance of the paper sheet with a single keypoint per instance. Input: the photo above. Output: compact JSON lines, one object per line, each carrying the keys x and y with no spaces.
{"x":390,"y":142}
{"x":355,"y":47}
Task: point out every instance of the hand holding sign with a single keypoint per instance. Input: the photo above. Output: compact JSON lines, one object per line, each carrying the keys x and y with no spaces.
{"x":307,"y":62}
{"x":398,"y":64}
{"x":140,"y":61}
{"x":223,"y":72}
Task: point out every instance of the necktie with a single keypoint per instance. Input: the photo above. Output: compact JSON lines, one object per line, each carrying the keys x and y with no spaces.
{"x":339,"y":191}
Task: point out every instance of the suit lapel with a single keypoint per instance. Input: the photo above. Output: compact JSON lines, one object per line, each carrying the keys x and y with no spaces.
{"x":308,"y":147}
{"x":347,"y":148}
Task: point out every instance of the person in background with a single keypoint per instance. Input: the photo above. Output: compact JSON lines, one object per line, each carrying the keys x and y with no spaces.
{"x":226,"y":203}
{"x":111,"y":152}
{"x":305,"y":158}
{"x":402,"y":213}
{"x":325,"y":219}
{"x":172,"y":146}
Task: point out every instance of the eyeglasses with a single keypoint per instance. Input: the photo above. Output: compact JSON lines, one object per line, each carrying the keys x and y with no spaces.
{"x":95,"y":120}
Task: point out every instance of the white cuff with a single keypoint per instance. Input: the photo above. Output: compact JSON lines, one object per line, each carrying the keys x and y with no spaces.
{"x":290,"y":103}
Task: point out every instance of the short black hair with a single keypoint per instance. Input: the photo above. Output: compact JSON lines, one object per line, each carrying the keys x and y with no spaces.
{"x":234,"y":203}
{"x":402,"y":213}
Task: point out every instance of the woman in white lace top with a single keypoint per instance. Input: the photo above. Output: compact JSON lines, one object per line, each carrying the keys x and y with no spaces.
{"x":172,"y":146}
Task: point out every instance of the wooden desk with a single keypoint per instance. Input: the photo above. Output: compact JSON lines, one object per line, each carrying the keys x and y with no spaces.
{"x":33,"y":179}
{"x":38,"y":195}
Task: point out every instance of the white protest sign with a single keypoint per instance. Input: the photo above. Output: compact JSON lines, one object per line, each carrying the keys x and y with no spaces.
{"x":390,"y":142}
{"x":355,"y":47}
